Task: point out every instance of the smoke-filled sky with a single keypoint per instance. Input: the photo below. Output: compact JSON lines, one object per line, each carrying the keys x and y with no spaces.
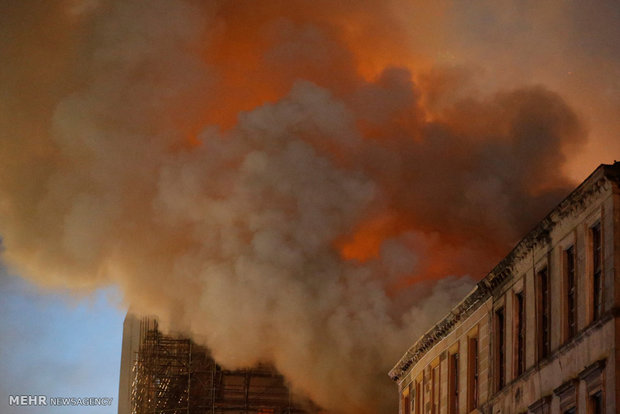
{"x":309,"y":184}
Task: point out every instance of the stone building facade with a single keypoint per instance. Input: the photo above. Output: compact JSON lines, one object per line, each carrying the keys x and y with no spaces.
{"x":540,"y":333}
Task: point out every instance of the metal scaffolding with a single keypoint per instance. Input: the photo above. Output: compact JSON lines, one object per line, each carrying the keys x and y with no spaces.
{"x":175,"y":376}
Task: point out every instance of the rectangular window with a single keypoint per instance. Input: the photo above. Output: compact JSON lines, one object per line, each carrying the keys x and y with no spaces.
{"x":593,"y":376}
{"x":453,"y":384}
{"x":435,"y":390}
{"x":543,"y":315}
{"x":500,"y":349}
{"x":519,"y":334}
{"x":542,"y":406}
{"x":570,"y":293}
{"x":406,"y":405}
{"x":597,"y":276}
{"x":425,"y":391}
{"x":595,"y":403}
{"x":567,"y":395}
{"x":472,"y":374}
{"x":417,"y":398}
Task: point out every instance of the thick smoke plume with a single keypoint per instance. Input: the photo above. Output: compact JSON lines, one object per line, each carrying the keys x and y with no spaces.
{"x":281,"y":180}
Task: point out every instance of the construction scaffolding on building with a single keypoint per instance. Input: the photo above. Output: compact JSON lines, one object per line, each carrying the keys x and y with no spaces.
{"x":173,"y":375}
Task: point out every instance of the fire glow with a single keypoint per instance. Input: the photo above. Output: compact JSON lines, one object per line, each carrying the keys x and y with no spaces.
{"x":290,"y":183}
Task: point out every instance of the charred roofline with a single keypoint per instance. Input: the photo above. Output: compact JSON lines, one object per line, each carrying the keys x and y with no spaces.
{"x":575,"y":201}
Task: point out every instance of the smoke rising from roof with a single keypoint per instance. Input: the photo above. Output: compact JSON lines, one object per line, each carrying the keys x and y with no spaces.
{"x":269,"y":176}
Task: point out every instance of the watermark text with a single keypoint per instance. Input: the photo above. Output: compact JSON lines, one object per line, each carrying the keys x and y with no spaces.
{"x":44,"y":400}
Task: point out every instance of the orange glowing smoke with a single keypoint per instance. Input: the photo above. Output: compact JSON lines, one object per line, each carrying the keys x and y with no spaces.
{"x":365,"y":243}
{"x":255,"y":56}
{"x":257,"y":53}
{"x":439,"y":254}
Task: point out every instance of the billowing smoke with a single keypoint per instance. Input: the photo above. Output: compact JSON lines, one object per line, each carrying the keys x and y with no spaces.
{"x":274,"y":178}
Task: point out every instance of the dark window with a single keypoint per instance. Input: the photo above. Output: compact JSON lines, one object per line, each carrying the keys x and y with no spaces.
{"x":571,"y":293}
{"x":595,"y":405}
{"x":406,"y":406}
{"x":542,"y":406}
{"x":500,"y":349}
{"x":416,"y":398}
{"x":425,"y":390}
{"x":454,"y":384}
{"x":543,"y":314}
{"x":597,"y":279}
{"x":472,"y":372}
{"x":435,"y":390}
{"x":520,"y":333}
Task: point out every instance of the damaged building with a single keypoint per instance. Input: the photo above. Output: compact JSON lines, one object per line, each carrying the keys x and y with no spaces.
{"x":166,"y":373}
{"x":540,"y":333}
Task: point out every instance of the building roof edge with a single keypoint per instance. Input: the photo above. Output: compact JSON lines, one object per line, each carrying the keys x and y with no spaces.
{"x":485,"y":287}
